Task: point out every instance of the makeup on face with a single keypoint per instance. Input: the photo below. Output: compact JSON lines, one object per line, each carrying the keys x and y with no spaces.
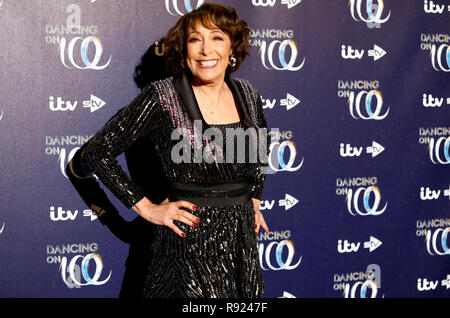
{"x":208,"y":52}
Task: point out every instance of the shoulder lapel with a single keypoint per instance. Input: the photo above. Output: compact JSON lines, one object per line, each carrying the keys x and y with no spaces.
{"x":239,"y":99}
{"x":184,"y":90}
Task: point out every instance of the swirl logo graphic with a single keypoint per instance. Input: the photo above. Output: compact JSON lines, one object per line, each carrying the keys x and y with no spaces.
{"x":282,"y":53}
{"x":62,"y":159}
{"x":368,"y":284}
{"x":373,"y":11}
{"x":280,"y":156}
{"x":2,"y":228}
{"x":437,"y":242}
{"x":93,"y":65}
{"x":438,"y":54}
{"x":281,"y":264}
{"x":89,"y":280}
{"x":436,"y":149}
{"x":369,"y":209}
{"x":187,"y":5}
{"x":1,"y":115}
{"x":370,"y":114}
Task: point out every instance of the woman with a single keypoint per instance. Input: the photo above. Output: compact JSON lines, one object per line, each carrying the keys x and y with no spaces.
{"x":205,"y":244}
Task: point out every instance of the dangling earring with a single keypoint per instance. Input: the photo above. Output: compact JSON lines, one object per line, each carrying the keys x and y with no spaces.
{"x":232,"y":62}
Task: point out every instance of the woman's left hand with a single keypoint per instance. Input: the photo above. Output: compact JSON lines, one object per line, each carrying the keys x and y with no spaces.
{"x":259,"y":219}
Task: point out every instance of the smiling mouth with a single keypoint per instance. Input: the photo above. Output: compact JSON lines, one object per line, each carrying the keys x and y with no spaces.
{"x":208,"y":63}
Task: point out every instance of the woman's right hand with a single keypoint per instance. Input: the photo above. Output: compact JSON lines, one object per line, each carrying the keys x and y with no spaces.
{"x":166,"y":212}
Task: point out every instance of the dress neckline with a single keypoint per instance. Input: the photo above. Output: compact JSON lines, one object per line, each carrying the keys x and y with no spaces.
{"x":227,"y":124}
{"x":184,"y":89}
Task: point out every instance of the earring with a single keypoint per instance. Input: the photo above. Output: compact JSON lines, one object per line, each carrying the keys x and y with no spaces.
{"x":232,"y":62}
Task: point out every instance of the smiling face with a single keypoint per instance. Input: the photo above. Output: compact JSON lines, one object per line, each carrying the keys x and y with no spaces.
{"x":208,"y":53}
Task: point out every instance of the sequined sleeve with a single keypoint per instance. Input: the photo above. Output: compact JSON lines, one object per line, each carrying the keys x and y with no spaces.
{"x":140,"y":117}
{"x":260,"y":176}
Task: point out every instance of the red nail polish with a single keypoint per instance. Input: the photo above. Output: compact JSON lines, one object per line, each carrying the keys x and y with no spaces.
{"x":183,"y":234}
{"x":194,"y":224}
{"x":197,"y":220}
{"x":194,"y":208}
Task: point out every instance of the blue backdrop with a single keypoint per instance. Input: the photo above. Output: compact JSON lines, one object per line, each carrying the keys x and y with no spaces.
{"x":357,"y":198}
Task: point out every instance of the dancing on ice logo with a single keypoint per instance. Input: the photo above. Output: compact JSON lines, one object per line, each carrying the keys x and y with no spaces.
{"x":70,"y":271}
{"x":67,"y":47}
{"x":279,"y":158}
{"x":367,"y":283}
{"x":435,"y":232}
{"x":438,"y":141}
{"x":364,"y":99}
{"x":77,"y":271}
{"x":271,"y":256}
{"x":277,"y":49}
{"x":438,"y":46}
{"x":65,"y":148}
{"x":363,"y":196}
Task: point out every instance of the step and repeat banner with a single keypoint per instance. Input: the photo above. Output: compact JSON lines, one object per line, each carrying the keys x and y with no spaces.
{"x":357,"y":94}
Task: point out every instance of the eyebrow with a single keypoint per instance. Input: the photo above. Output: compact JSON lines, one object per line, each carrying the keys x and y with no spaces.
{"x":212,"y":30}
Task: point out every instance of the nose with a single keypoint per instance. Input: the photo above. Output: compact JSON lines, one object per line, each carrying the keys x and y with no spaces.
{"x":206,"y":47}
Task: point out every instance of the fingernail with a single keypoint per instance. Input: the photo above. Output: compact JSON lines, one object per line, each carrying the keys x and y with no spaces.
{"x":194,"y":224}
{"x":197,"y":220}
{"x":194,"y":208}
{"x":256,"y":226}
{"x":183,"y":234}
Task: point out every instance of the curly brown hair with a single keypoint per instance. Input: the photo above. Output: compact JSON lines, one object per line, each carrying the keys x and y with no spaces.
{"x":210,"y":15}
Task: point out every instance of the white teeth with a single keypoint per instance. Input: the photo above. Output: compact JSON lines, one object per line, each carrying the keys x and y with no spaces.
{"x":208,"y":63}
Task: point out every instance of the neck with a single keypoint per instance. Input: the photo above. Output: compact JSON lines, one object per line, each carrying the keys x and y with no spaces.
{"x":211,"y":90}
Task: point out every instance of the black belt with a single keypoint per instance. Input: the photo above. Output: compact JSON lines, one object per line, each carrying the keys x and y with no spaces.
{"x":211,"y":194}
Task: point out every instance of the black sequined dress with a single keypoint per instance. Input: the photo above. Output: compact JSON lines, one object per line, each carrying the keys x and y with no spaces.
{"x":219,"y":257}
